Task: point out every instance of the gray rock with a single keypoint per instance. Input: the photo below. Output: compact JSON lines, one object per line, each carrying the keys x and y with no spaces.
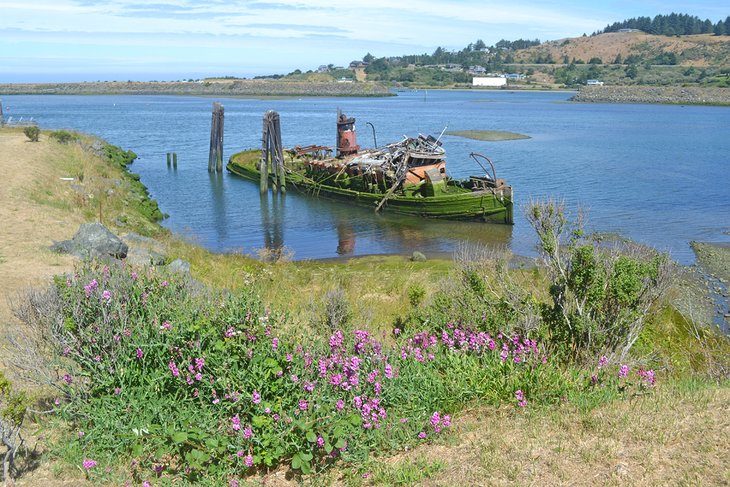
{"x":142,"y":257}
{"x":93,"y":240}
{"x":418,"y":256}
{"x":179,"y":266}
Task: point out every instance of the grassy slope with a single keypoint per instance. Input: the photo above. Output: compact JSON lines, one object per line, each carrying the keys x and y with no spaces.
{"x":696,"y":50}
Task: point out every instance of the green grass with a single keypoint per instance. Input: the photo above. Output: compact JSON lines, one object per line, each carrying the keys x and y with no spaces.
{"x":487,"y":135}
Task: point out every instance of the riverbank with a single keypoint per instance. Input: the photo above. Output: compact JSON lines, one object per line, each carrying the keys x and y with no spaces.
{"x":652,"y":94}
{"x":227,"y":88}
{"x":669,"y":434}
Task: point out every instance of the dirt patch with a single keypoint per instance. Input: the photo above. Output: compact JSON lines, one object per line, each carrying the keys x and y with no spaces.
{"x":668,"y":438}
{"x":28,"y":228}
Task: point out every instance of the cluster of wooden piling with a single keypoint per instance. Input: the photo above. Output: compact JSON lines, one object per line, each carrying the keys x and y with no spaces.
{"x":272,"y":154}
{"x":215,"y":159}
{"x":2,"y":116}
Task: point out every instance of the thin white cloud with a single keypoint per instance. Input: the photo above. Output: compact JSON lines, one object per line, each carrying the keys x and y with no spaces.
{"x":285,"y":33}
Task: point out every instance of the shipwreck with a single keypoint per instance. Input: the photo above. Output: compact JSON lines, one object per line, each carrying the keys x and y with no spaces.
{"x":408,"y":176}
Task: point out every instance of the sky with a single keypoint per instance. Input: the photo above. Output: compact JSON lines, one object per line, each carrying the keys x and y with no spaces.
{"x":80,"y":40}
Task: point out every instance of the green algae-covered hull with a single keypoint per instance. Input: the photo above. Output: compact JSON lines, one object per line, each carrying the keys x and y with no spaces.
{"x":456,"y":203}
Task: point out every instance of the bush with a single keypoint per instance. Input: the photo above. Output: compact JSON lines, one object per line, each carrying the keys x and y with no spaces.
{"x":32,"y":132}
{"x":600,"y":294}
{"x":64,"y":136}
{"x":13,"y":406}
{"x":205,"y":386}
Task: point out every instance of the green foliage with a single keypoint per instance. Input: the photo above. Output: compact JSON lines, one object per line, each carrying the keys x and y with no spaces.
{"x":141,"y":199}
{"x":416,"y":294}
{"x":64,"y":136}
{"x":600,"y":295}
{"x":217,"y":388}
{"x":118,"y":156}
{"x":32,"y":132}
{"x":670,"y":25}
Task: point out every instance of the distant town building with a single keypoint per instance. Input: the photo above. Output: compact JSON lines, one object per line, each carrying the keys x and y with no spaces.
{"x":515,"y":76}
{"x":484,"y":81}
{"x":359,"y":65}
{"x":594,"y":82}
{"x":477,"y":69}
{"x":345,"y":80}
{"x":629,"y":30}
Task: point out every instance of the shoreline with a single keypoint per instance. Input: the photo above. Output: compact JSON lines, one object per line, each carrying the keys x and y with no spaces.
{"x":275,"y":89}
{"x":666,"y":95}
{"x":245,"y":88}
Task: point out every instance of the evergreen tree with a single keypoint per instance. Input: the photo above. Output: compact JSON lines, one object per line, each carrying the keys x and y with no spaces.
{"x":719,"y":29}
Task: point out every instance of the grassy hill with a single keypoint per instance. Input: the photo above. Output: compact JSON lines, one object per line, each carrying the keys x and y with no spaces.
{"x":700,"y":51}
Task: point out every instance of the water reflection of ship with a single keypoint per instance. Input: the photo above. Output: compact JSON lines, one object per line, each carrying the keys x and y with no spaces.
{"x":345,"y":239}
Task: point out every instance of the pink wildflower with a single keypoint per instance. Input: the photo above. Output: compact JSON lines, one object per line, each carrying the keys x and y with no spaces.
{"x":320,"y":442}
{"x":422,"y":435}
{"x":274,"y":343}
{"x":166,"y":325}
{"x":89,"y":463}
{"x":446,"y":421}
{"x":134,"y":276}
{"x":248,"y":461}
{"x":140,"y":353}
{"x":247,"y":432}
{"x":173,"y":369}
{"x":602,"y":362}
{"x":165,"y":283}
{"x":234,"y":483}
{"x":68,"y":379}
{"x":303,"y":404}
{"x":340,"y":405}
{"x":236,"y":423}
{"x":255,"y":397}
{"x":106,"y":295}
{"x":623,"y":372}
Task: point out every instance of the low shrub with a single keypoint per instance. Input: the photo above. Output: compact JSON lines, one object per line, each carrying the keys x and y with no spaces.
{"x":32,"y":132}
{"x":64,"y":136}
{"x":187,"y":383}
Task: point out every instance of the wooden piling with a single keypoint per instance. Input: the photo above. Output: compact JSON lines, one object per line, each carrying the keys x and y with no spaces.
{"x":215,"y":157}
{"x":279,"y":151}
{"x":174,"y":160}
{"x":272,"y":154}
{"x":264,"y":165}
{"x":169,"y":159}
{"x":2,"y":117}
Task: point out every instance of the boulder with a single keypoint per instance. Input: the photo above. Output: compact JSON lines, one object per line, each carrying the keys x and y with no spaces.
{"x":418,"y":256}
{"x":179,"y":266}
{"x":93,"y":240}
{"x":140,"y":256}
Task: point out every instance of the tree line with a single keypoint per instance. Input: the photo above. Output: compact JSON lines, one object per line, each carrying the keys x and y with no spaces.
{"x":671,"y":25}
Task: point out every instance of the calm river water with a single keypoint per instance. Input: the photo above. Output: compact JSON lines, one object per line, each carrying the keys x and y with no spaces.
{"x":657,"y":174}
